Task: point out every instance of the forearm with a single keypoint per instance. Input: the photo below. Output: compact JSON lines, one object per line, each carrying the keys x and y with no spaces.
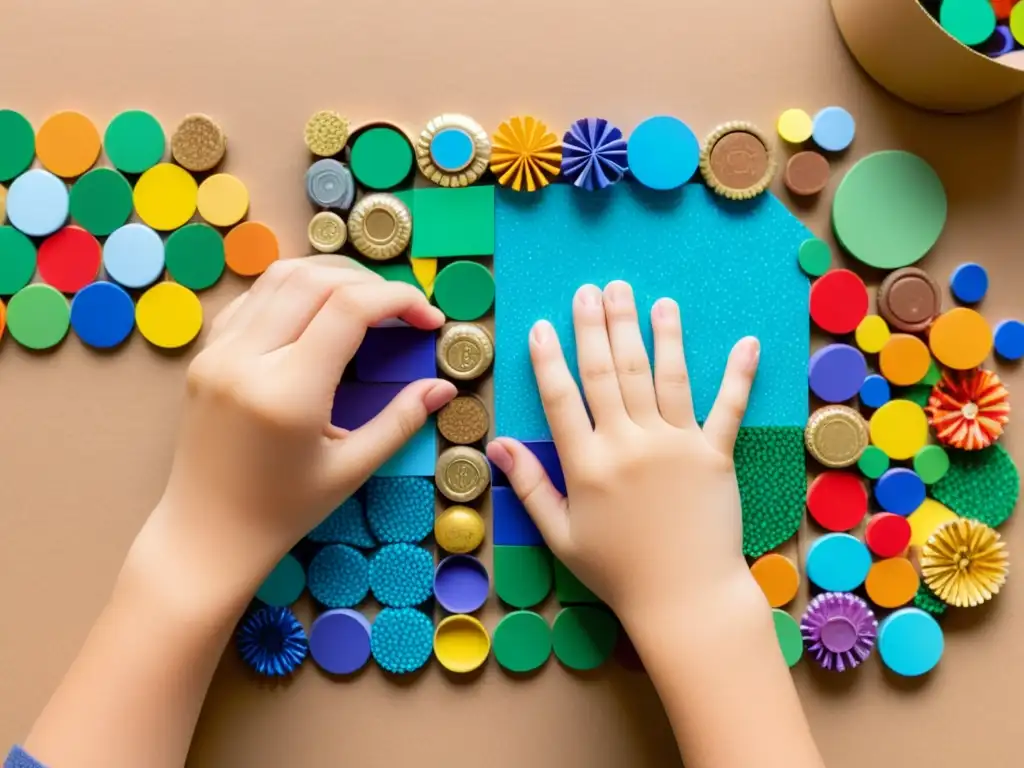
{"x":724,"y":684}
{"x":133,"y":695}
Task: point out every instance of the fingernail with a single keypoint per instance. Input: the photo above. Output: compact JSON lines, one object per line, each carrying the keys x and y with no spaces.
{"x":751,"y":352}
{"x":500,"y":456}
{"x":542,"y":332}
{"x":439,"y":395}
{"x":666,"y":309}
{"x":589,"y":296}
{"x":619,"y":292}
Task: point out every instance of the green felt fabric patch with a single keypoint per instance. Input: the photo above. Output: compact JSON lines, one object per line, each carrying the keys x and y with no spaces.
{"x":451,"y":222}
{"x":982,"y":485}
{"x":772,"y":475}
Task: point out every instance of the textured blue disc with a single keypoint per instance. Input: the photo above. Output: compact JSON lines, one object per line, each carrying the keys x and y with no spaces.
{"x":339,"y":576}
{"x":833,"y":129}
{"x":102,"y":315}
{"x":969,"y":283}
{"x":663,"y":153}
{"x":838,"y":562}
{"x":900,"y":491}
{"x":1009,"y":340}
{"x":451,"y":149}
{"x":875,"y":391}
{"x":345,"y":525}
{"x":400,"y":509}
{"x":134,"y":256}
{"x":37,"y":203}
{"x":402,"y":640}
{"x":910,"y":642}
{"x":402,"y":575}
{"x":272,"y":641}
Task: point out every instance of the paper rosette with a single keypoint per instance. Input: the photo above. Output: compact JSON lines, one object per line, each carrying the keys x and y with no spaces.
{"x":964,"y":563}
{"x":968,"y":409}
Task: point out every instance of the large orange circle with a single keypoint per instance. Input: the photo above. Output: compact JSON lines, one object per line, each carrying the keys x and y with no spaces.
{"x":904,"y":359}
{"x":892,"y":582}
{"x":960,"y":339}
{"x":778,"y":578}
{"x":68,"y":144}
{"x":250,"y":248}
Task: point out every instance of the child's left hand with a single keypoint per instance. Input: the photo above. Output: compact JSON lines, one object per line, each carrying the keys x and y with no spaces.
{"x":258,"y":464}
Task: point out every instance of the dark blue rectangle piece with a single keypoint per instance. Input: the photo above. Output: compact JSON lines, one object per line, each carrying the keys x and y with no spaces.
{"x":396,"y":355}
{"x":512,"y":523}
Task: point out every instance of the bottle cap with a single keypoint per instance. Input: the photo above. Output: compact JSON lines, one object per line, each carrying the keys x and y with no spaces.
{"x":836,"y":435}
{"x":462,"y":473}
{"x":380,"y":226}
{"x":465,"y":351}
{"x":453,"y":150}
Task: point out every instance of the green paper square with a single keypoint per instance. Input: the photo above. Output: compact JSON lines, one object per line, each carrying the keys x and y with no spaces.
{"x":452,"y":222}
{"x":569,"y":589}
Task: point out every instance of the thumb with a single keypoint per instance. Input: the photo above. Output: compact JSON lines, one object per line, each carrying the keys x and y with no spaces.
{"x":359,"y":454}
{"x":547,"y":506}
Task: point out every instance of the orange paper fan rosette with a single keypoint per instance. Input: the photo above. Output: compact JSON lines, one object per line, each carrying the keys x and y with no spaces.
{"x":968,"y":409}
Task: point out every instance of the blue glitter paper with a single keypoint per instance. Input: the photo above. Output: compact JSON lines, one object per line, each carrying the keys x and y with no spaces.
{"x":730,"y":265}
{"x":402,"y":575}
{"x":402,"y":640}
{"x":400,"y":509}
{"x":593,"y":154}
{"x":272,"y":642}
{"x":339,"y":576}
{"x":345,"y":525}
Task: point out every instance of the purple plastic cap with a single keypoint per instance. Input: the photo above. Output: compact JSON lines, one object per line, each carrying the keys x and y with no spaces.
{"x":339,"y":641}
{"x":839,"y":630}
{"x":461,"y":584}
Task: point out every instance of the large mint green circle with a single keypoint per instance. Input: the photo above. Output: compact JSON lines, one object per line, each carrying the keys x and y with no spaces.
{"x":284,"y":585}
{"x":17,"y":144}
{"x":971,"y":22}
{"x":38,"y":316}
{"x":17,"y":260}
{"x":381,"y":157}
{"x":889,"y":209}
{"x":134,"y":141}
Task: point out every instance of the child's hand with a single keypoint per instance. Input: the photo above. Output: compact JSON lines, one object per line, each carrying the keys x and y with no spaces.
{"x":653,"y":509}
{"x":258,"y":463}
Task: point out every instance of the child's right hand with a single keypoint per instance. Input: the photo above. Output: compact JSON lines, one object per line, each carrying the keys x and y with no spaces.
{"x":654,"y":517}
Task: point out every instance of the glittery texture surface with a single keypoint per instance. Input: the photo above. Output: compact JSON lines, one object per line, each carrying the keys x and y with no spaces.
{"x":729,"y":264}
{"x":271,"y":641}
{"x":982,"y":485}
{"x":400,"y":509}
{"x":851,"y":613}
{"x":772,"y":475}
{"x":402,"y":640}
{"x":402,"y":575}
{"x":345,"y":525}
{"x":926,"y":600}
{"x":339,"y":576}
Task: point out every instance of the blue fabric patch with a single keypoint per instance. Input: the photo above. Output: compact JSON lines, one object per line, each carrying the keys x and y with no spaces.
{"x":19,"y":758}
{"x":731,"y":266}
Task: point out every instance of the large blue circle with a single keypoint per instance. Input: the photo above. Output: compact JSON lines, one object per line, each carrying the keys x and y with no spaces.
{"x":838,"y":562}
{"x":338,"y":576}
{"x":833,"y":129}
{"x":102,"y":315}
{"x":910,"y":642}
{"x":37,"y":203}
{"x":402,"y":640}
{"x":451,"y":149}
{"x":900,"y":491}
{"x":134,"y":256}
{"x":663,"y":153}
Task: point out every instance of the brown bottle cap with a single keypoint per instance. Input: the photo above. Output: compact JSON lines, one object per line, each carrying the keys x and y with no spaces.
{"x":464,"y":351}
{"x":836,"y":435}
{"x":464,"y":420}
{"x":198,"y":143}
{"x":909,"y":299}
{"x":806,"y":173}
{"x":736,"y":161}
{"x":462,"y":473}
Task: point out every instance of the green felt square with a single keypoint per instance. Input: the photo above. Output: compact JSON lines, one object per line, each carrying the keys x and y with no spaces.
{"x":451,"y":222}
{"x":772,"y":474}
{"x":569,"y":589}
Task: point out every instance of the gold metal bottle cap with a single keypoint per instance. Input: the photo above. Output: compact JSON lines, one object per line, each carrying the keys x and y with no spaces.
{"x":737,"y":161}
{"x":459,"y":530}
{"x":327,"y":232}
{"x":836,"y":435}
{"x":462,"y":473}
{"x":464,"y":420}
{"x":461,"y":154}
{"x":198,"y":143}
{"x":464,"y":351}
{"x":326,"y":133}
{"x":380,"y":226}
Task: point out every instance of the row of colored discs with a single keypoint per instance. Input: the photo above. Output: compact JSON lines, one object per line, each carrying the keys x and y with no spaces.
{"x":454,"y":150}
{"x":992,"y":27}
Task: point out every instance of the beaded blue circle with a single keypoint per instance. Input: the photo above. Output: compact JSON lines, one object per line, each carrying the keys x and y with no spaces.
{"x":272,"y":642}
{"x":338,"y":576}
{"x":345,"y":525}
{"x":402,"y":575}
{"x":400,"y":509}
{"x":402,"y":640}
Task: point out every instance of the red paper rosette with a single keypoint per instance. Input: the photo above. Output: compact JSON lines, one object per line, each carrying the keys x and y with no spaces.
{"x":968,"y":409}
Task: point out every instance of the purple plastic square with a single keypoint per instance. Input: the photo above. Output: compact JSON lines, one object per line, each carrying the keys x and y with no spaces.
{"x":355,"y":403}
{"x":545,"y":451}
{"x":512,"y":523}
{"x":396,"y":355}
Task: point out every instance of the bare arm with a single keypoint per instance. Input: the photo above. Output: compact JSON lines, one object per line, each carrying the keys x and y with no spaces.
{"x":644,"y":479}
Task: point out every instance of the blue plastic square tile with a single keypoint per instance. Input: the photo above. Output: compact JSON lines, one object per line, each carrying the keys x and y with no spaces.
{"x":731,"y":266}
{"x":545,"y":451}
{"x":418,"y":457}
{"x":512,"y":523}
{"x":396,"y":355}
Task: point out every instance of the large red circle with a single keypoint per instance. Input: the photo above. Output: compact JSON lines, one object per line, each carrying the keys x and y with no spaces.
{"x":837,"y":500}
{"x":839,"y":301}
{"x":887,"y":535}
{"x":69,"y":259}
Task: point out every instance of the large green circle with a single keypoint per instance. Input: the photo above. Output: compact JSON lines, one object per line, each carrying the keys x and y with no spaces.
{"x":889,"y":209}
{"x":584,"y":637}
{"x":17,"y":144}
{"x":38,"y":316}
{"x":381,"y":157}
{"x":464,"y":290}
{"x":194,"y":256}
{"x":971,"y":22}
{"x":17,"y":260}
{"x":522,"y":641}
{"x":101,"y":201}
{"x":134,"y":141}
